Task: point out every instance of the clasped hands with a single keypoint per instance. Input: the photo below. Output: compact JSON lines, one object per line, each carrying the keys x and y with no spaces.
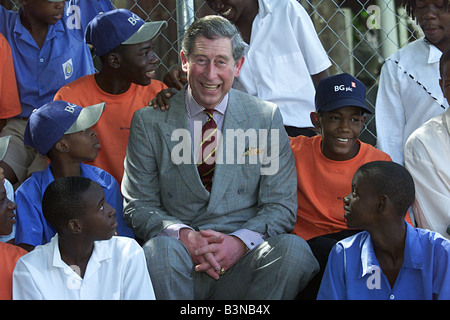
{"x":211,"y":250}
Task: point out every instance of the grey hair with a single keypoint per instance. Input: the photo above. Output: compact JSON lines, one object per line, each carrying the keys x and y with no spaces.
{"x":213,"y":27}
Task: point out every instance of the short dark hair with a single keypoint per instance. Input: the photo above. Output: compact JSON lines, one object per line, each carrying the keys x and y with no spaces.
{"x":63,"y":200}
{"x":391,"y":179}
{"x":410,"y":6}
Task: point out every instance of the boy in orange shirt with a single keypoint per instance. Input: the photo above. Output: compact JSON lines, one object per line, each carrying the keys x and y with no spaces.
{"x":9,"y":96}
{"x":326,"y":164}
{"x":9,"y":254}
{"x":125,"y":82}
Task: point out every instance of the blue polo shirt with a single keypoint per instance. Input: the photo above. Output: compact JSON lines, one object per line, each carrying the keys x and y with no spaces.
{"x":63,"y":58}
{"x":353,"y":271}
{"x":31,"y":226}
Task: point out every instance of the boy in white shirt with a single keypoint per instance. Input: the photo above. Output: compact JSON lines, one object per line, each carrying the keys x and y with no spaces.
{"x":409,"y":92}
{"x":427,"y":158}
{"x":83,"y":260}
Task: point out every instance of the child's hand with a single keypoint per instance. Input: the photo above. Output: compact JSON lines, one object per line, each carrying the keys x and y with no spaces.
{"x":175,"y":77}
{"x":162,"y":99}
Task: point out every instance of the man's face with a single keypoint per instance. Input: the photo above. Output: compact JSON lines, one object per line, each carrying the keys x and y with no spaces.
{"x":138,"y":62}
{"x":360,"y":204}
{"x":43,"y":10}
{"x":340,"y":130}
{"x":434,"y":19}
{"x":99,"y":220}
{"x":211,"y":70}
{"x":83,"y":145}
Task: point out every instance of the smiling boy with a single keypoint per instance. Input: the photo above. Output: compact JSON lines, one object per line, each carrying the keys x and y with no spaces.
{"x":83,"y":261}
{"x":326,"y":163}
{"x":390,"y":259}
{"x":126,"y":81}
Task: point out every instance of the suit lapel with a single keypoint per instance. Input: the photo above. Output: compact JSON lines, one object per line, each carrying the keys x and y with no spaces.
{"x":177,"y":119}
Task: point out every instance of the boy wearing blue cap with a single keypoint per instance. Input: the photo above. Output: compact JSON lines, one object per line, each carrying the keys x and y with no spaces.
{"x":326,"y":163}
{"x":62,"y":131}
{"x":48,"y":48}
{"x":123,"y":41}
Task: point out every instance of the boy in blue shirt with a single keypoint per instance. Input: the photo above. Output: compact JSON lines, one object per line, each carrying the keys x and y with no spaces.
{"x":62,"y":131}
{"x":47,"y":43}
{"x":390,"y":259}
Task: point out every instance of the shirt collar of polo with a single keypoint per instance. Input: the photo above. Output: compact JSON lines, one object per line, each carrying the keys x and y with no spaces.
{"x":412,"y":260}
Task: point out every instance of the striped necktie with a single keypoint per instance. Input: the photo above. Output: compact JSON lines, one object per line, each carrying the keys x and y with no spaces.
{"x":208,"y":154}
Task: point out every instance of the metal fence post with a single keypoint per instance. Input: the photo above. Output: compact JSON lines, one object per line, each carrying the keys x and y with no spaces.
{"x":185,"y":17}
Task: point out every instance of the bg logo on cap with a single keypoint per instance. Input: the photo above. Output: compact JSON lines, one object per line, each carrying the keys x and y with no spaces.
{"x":70,"y":107}
{"x":133,"y":19}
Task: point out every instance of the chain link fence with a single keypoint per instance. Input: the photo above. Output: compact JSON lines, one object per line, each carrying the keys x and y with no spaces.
{"x":357,"y":34}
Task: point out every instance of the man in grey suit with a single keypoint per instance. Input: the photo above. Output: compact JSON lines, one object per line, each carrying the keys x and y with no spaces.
{"x":214,"y":208}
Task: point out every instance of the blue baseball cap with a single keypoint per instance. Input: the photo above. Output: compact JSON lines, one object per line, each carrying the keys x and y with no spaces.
{"x":341,"y":90}
{"x":120,"y":26}
{"x":50,"y":122}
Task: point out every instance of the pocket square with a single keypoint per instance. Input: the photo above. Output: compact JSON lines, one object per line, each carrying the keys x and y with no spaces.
{"x":252,"y":151}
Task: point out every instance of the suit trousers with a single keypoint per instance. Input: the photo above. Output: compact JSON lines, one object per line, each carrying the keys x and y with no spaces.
{"x":278,"y":268}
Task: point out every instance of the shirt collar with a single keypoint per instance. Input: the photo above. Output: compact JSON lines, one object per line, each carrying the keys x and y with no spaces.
{"x":48,"y":178}
{"x":434,"y":54}
{"x":193,"y":108}
{"x":53,"y":29}
{"x":265,"y":8}
{"x":412,"y":260}
{"x":100,"y":253}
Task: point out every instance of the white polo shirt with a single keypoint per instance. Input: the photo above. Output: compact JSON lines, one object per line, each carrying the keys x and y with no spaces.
{"x":284,"y":52}
{"x":117,"y":270}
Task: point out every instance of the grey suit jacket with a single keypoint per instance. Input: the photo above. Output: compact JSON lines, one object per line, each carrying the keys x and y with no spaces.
{"x":253,"y":188}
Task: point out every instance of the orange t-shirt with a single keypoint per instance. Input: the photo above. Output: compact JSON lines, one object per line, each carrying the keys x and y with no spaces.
{"x":9,"y":96}
{"x":9,"y":255}
{"x":113,"y":127}
{"x":323,"y":183}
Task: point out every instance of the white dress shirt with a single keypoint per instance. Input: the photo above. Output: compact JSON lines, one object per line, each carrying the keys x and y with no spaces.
{"x":116,"y":270}
{"x":284,"y":52}
{"x":427,"y":157}
{"x":408,"y":95}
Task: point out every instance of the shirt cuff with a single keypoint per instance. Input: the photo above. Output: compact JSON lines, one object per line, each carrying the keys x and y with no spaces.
{"x":173,"y":230}
{"x":250,"y":238}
